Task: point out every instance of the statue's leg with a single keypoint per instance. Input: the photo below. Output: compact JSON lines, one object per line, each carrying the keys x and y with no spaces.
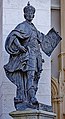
{"x":38,"y":71}
{"x":36,"y":80}
{"x":31,"y":88}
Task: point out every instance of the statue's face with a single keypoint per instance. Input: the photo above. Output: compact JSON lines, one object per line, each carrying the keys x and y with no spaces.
{"x":29,"y":16}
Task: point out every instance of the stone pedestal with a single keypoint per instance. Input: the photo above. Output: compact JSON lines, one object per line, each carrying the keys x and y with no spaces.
{"x":32,"y":114}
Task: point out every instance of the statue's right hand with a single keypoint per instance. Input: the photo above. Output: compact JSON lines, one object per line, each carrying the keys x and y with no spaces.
{"x":23,"y":49}
{"x":20,"y":47}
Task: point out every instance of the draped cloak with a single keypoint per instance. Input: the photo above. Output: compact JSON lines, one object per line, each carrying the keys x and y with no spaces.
{"x":30,"y":38}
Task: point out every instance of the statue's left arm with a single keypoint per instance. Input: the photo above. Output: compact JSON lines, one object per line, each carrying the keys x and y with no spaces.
{"x":49,"y":41}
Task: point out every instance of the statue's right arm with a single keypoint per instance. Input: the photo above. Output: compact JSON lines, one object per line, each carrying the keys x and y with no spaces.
{"x":19,"y":46}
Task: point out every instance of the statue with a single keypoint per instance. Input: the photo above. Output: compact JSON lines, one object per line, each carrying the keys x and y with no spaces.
{"x":25,"y":62}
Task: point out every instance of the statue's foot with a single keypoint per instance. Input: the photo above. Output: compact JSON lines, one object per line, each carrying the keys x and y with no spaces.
{"x":17,"y":100}
{"x":34,"y":101}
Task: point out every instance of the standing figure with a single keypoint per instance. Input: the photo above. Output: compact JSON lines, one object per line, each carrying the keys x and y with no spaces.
{"x":25,"y":62}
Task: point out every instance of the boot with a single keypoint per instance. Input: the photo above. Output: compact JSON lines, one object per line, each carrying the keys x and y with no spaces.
{"x":31,"y":94}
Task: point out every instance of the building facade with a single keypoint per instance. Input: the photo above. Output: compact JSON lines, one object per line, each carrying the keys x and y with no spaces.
{"x":48,"y":14}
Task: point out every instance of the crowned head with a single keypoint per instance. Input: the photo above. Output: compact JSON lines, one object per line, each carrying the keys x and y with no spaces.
{"x":29,"y":8}
{"x":29,"y":12}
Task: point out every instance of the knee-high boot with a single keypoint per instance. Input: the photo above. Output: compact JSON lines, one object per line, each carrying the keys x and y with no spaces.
{"x":31,"y":94}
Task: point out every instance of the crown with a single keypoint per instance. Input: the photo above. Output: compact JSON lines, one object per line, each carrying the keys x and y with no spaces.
{"x":29,"y":8}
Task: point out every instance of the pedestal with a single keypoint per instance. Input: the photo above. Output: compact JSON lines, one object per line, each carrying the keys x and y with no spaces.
{"x":32,"y":114}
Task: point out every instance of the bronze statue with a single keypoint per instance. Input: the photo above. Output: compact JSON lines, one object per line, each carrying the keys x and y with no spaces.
{"x":25,"y":62}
